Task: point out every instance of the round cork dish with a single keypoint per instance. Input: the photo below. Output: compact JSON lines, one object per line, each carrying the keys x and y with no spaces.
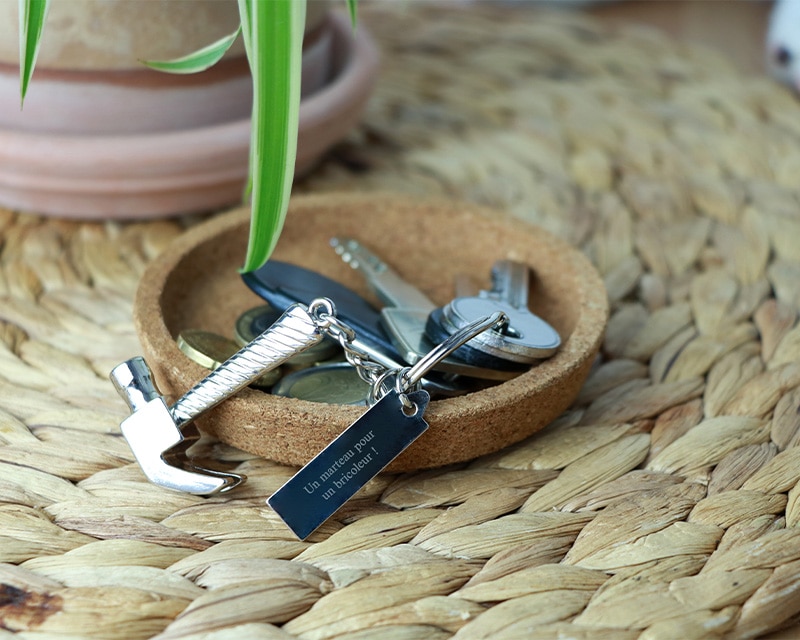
{"x":196,"y":284}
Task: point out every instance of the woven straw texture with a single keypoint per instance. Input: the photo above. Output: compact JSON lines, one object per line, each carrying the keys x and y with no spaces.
{"x":663,"y":504}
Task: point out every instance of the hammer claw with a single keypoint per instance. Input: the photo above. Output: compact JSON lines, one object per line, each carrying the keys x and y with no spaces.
{"x":151,"y":432}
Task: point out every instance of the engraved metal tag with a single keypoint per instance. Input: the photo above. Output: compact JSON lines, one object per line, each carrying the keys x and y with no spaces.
{"x":360,"y":453}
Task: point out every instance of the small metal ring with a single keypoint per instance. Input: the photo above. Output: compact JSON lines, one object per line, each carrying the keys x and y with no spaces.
{"x":322,"y":312}
{"x":403,"y":384}
{"x":379,"y":388}
{"x":409,"y":408}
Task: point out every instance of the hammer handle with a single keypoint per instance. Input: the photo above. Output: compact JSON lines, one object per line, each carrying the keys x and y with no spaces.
{"x":294,"y":332}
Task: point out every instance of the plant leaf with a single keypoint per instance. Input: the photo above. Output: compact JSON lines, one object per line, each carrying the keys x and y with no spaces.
{"x":352,"y":8}
{"x":32,"y":14}
{"x":197,"y":61}
{"x":273,"y":36}
{"x":246,"y":22}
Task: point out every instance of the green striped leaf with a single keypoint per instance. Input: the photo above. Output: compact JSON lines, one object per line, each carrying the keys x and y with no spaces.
{"x":273,"y":36}
{"x":352,"y":8}
{"x":32,"y":14}
{"x":198,"y":61}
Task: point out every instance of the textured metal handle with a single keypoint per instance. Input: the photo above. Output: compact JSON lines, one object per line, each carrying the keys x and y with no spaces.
{"x":294,"y":332}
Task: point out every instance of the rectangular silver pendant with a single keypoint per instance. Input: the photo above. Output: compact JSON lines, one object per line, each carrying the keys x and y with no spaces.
{"x":360,"y":453}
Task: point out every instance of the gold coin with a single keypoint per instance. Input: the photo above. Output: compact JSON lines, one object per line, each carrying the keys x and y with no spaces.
{"x":336,"y":383}
{"x":210,"y":350}
{"x":207,"y":349}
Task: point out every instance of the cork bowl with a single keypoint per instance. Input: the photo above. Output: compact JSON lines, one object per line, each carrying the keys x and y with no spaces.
{"x":196,"y":284}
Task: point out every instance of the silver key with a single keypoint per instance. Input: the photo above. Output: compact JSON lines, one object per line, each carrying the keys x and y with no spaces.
{"x":392,"y":290}
{"x":510,"y":283}
{"x":526,"y":338}
{"x":406,"y":311}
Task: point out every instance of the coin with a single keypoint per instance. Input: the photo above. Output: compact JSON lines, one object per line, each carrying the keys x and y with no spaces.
{"x":248,"y":324}
{"x":253,"y":322}
{"x":336,"y":383}
{"x":207,"y":349}
{"x":210,"y":350}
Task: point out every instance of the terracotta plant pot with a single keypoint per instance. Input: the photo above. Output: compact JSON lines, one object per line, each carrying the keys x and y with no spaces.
{"x":90,"y":80}
{"x":115,"y":35}
{"x":195,"y":284}
{"x":124,"y":141}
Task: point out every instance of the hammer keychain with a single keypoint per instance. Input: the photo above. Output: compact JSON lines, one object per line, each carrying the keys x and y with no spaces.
{"x":393,"y":421}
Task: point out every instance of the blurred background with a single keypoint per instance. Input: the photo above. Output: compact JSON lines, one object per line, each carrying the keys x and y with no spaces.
{"x":736,"y":27}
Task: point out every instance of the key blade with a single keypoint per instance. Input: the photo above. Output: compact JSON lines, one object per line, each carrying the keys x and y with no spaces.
{"x":510,"y":282}
{"x":392,"y":290}
{"x":357,"y":256}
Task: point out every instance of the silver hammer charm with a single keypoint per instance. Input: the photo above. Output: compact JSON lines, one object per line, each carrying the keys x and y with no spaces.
{"x":154,"y":429}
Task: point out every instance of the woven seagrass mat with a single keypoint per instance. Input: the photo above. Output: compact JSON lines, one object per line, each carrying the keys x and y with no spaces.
{"x":664,"y":504}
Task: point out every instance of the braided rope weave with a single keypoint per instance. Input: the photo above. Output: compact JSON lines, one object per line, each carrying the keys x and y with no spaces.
{"x":663,"y":504}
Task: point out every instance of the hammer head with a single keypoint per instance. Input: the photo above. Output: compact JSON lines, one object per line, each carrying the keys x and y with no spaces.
{"x":151,"y":431}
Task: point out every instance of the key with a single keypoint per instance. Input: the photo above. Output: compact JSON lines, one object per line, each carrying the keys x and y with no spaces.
{"x":392,"y":290}
{"x":510,"y":282}
{"x":282,"y":284}
{"x":437,"y":329}
{"x":406,"y":313}
{"x":433,"y":329}
{"x":526,"y":337}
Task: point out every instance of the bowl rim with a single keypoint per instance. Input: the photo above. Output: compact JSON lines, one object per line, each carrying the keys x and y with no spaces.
{"x":148,"y":295}
{"x":291,"y":431}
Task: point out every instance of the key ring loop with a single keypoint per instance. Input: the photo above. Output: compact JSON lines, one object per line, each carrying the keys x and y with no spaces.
{"x":322,"y":312}
{"x":411,"y":376}
{"x":408,"y":378}
{"x":380,"y":387}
